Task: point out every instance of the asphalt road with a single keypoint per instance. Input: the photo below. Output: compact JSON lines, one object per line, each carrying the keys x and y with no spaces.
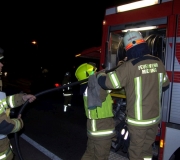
{"x":28,"y":151}
{"x":64,"y":134}
{"x":51,"y":134}
{"x":55,"y":135}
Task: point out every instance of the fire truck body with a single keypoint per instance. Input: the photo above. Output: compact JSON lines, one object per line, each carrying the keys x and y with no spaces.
{"x":164,"y":42}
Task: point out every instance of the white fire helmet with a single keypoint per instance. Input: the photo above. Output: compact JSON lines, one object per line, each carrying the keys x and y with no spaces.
{"x":132,"y":38}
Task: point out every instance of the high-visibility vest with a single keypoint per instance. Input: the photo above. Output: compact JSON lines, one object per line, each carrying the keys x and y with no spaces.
{"x":103,"y":111}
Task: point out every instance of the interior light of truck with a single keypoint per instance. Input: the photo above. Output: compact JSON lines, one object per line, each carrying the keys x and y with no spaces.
{"x":161,"y":143}
{"x":140,"y":29}
{"x":136,"y":5}
{"x":104,"y":22}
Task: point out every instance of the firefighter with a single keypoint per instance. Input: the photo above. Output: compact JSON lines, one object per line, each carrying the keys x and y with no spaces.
{"x":144,"y":78}
{"x":100,"y":123}
{"x":9,"y":125}
{"x":67,"y":92}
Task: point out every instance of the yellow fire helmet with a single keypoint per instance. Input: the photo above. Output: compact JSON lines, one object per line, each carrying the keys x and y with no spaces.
{"x":85,"y":70}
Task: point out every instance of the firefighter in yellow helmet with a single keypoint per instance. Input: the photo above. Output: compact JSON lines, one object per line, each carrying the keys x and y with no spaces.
{"x":100,"y":123}
{"x":9,"y":125}
{"x":144,"y":78}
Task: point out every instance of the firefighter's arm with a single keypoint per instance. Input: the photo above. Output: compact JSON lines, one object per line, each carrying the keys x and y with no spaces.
{"x":64,"y":82}
{"x":8,"y":125}
{"x":101,"y":78}
{"x":28,"y":97}
{"x":17,"y":100}
{"x":113,"y":79}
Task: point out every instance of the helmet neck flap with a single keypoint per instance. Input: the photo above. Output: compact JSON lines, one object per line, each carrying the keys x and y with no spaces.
{"x":138,"y":51}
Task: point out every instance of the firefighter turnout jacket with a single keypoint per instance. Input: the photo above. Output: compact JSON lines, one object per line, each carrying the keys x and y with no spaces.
{"x":100,"y":122}
{"x":67,"y":91}
{"x":138,"y":77}
{"x":8,"y":125}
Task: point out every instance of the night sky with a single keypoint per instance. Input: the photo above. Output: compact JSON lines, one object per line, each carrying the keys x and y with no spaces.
{"x":61,"y":29}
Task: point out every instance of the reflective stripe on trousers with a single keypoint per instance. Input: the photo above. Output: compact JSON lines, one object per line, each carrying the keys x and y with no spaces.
{"x":67,"y":94}
{"x":65,"y":108}
{"x":5,"y":154}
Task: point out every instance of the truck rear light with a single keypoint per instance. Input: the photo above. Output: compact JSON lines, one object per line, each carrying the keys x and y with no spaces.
{"x":161,"y":145}
{"x":57,"y":85}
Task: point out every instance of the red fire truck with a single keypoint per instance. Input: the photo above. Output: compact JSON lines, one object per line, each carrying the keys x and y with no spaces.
{"x":159,"y":23}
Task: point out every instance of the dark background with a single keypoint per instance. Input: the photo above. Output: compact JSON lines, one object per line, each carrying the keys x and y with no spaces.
{"x":61,"y":30}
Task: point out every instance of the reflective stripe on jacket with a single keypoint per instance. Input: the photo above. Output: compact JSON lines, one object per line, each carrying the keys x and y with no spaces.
{"x":10,"y":101}
{"x":8,"y":125}
{"x":93,"y":131}
{"x":101,"y":128}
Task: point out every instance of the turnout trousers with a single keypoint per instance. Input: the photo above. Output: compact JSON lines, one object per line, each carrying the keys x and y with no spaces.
{"x":97,"y":149}
{"x":67,"y":100}
{"x":141,"y":140}
{"x":5,"y":150}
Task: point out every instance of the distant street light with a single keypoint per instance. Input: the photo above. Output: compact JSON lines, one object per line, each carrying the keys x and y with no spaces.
{"x":36,"y":54}
{"x":34,"y":42}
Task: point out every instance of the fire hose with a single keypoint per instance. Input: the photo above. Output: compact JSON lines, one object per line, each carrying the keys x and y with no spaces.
{"x":48,"y":91}
{"x":37,"y":95}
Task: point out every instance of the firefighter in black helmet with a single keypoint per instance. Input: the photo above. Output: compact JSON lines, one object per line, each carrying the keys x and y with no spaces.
{"x":9,"y":125}
{"x":144,"y":78}
{"x":67,"y":92}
